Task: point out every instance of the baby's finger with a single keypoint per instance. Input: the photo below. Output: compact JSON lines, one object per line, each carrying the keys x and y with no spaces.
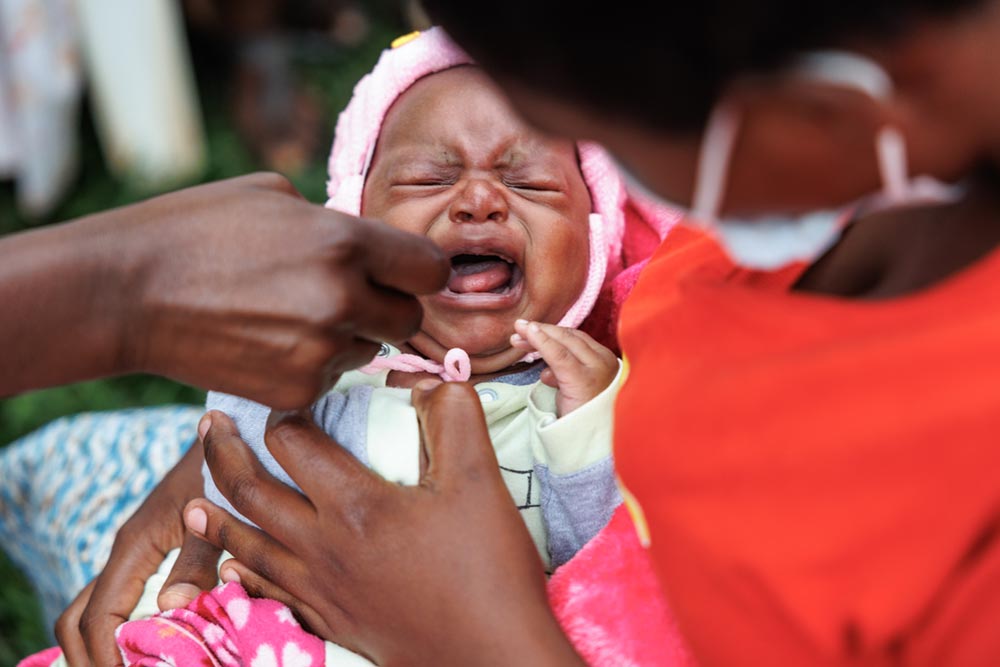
{"x":585,"y":348}
{"x":518,"y":341}
{"x":590,"y":353}
{"x":598,"y":349}
{"x":557,"y":349}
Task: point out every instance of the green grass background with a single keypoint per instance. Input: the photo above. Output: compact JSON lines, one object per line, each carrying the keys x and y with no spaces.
{"x":331,"y":73}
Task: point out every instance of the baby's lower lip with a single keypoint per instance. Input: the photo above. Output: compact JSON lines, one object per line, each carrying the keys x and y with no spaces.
{"x":481,"y":300}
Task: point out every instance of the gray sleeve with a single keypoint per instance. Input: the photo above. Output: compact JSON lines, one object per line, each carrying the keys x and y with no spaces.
{"x":342,"y":415}
{"x":576,"y":506}
{"x":250,"y":419}
{"x":345,"y":418}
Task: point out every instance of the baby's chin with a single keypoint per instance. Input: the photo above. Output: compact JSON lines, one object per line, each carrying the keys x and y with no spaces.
{"x":488,"y":354}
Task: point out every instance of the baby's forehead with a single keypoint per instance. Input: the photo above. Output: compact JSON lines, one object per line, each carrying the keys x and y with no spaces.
{"x":457,"y":108}
{"x":439,"y":87}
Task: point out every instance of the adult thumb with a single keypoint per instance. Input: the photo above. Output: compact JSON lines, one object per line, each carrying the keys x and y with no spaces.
{"x":453,"y":434}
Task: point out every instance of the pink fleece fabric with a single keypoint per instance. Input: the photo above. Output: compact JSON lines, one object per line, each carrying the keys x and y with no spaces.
{"x":223,"y":627}
{"x":607,"y":600}
{"x":360,"y":124}
{"x":610,"y":604}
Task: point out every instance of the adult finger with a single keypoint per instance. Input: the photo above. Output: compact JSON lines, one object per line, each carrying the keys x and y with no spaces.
{"x":386,"y":315}
{"x":67,"y":629}
{"x":116,"y":592}
{"x":193,"y":573}
{"x":352,"y":352}
{"x":253,"y":547}
{"x":362,"y":309}
{"x":252,"y":490}
{"x":454,"y":434}
{"x":314,"y":460}
{"x":257,"y":586}
{"x":409,"y":263}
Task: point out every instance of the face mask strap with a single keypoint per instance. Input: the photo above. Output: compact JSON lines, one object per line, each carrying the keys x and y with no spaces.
{"x":837,"y":68}
{"x":857,"y":72}
{"x":713,"y":163}
{"x":845,"y":69}
{"x":890,"y":147}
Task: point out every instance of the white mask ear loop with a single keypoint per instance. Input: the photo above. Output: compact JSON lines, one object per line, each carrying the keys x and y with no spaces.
{"x":890,"y":147}
{"x":836,"y":68}
{"x":852,"y":70}
{"x":713,"y":163}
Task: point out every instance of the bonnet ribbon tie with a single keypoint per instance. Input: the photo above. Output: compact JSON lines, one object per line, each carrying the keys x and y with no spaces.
{"x":456,"y":366}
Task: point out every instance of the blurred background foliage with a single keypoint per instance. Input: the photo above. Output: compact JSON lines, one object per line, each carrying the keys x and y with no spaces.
{"x":327,"y":66}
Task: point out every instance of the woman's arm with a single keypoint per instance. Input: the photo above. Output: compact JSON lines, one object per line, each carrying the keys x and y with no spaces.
{"x":62,"y":297}
{"x":440,"y":573}
{"x":240,"y":286}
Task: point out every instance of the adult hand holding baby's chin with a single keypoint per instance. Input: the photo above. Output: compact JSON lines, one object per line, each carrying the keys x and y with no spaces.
{"x":243,"y":286}
{"x":439,"y":573}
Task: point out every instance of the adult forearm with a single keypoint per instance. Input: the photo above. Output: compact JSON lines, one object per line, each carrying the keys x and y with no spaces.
{"x":63,"y":295}
{"x":240,"y":286}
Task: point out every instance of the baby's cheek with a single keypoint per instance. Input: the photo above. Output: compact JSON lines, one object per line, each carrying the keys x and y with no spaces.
{"x":403,"y":213}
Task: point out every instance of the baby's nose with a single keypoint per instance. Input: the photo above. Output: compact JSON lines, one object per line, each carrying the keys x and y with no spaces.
{"x":479,"y":201}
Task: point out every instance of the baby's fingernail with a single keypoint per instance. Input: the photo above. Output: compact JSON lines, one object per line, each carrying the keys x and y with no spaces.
{"x":516,"y":338}
{"x":197,"y":520}
{"x":204,"y":425}
{"x":178,"y":595}
{"x":520,"y":323}
{"x":534,"y":327}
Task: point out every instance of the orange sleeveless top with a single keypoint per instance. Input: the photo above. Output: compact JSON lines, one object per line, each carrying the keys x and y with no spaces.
{"x":820,"y":477}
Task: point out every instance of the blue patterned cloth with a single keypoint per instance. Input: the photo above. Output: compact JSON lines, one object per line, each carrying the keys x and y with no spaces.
{"x":67,"y":488}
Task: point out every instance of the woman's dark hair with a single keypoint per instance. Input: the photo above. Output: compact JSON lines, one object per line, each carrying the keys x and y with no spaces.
{"x":662,"y":62}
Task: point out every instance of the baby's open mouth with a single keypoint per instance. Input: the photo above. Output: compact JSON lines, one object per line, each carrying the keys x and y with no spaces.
{"x":483,"y":274}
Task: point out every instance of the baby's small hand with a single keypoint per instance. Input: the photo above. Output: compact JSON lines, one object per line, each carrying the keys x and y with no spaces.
{"x":579,"y":367}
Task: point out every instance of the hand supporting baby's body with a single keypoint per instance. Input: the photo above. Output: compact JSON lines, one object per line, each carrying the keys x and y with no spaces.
{"x":553,"y":444}
{"x":584,"y":374}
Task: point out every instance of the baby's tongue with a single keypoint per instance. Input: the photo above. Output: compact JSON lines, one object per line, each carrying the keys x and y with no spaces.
{"x":482,"y":275}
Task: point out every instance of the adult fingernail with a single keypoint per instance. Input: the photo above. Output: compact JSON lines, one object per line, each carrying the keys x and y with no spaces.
{"x":178,"y":595}
{"x":204,"y":425}
{"x":421,"y":389}
{"x":197,"y":520}
{"x":426,"y":385}
{"x":229,"y":575}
